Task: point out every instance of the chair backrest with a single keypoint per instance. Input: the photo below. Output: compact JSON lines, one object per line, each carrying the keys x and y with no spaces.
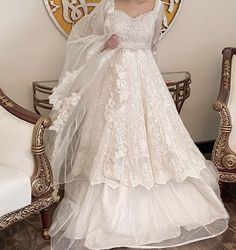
{"x":232,"y":104}
{"x":15,"y":142}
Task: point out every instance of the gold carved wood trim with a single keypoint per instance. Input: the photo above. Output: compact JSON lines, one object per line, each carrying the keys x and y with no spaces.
{"x":42,"y":178}
{"x":223,"y":156}
{"x":226,"y":76}
{"x":64,"y":13}
{"x":21,"y":214}
{"x":5,"y":102}
{"x":227,"y":177}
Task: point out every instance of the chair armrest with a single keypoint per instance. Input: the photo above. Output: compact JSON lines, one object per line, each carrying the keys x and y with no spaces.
{"x":223,"y":156}
{"x":17,"y":110}
{"x":225,"y":76}
{"x":41,"y":180}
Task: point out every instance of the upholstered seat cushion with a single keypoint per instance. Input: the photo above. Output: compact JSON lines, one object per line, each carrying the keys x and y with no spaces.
{"x":15,"y":191}
{"x":15,"y":142}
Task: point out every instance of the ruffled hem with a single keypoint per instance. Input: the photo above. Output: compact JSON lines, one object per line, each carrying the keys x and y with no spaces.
{"x":99,"y":217}
{"x":81,"y":245}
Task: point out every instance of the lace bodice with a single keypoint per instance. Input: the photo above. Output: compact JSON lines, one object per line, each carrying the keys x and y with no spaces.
{"x":140,"y":32}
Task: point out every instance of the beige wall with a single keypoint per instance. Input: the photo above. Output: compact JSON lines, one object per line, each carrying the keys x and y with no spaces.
{"x":31,"y":48}
{"x":202,"y":30}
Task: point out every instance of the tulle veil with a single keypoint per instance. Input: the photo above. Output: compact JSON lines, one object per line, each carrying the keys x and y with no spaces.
{"x":84,"y":66}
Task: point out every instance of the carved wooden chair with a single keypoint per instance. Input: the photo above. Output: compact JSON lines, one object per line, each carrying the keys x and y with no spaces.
{"x":25,"y":173}
{"x":224,"y":152}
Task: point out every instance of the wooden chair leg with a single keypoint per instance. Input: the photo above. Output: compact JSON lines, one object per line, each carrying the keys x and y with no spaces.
{"x":222,"y":189}
{"x":46,"y":217}
{"x":225,"y":196}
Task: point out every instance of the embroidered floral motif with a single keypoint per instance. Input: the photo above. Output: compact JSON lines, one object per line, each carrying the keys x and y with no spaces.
{"x":65,"y":112}
{"x":67,"y":80}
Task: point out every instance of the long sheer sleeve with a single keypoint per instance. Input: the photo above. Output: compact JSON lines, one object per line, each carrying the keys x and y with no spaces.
{"x":157,"y":30}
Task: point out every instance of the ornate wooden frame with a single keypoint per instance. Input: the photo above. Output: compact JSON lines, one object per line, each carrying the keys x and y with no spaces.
{"x":223,"y":156}
{"x":41,"y":181}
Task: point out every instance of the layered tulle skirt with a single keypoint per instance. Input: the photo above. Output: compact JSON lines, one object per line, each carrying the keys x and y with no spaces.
{"x":99,"y":217}
{"x":138,"y":178}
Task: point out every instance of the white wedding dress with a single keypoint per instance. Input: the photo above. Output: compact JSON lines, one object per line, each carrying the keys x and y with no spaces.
{"x":138,"y":181}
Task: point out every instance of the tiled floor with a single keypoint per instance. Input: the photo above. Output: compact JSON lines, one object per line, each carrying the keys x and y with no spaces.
{"x":26,"y":235}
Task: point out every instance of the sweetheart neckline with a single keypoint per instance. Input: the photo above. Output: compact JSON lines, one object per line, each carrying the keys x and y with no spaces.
{"x":140,"y":15}
{"x":135,"y":17}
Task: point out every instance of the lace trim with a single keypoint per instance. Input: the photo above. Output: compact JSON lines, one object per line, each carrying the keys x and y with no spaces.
{"x":113,"y":183}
